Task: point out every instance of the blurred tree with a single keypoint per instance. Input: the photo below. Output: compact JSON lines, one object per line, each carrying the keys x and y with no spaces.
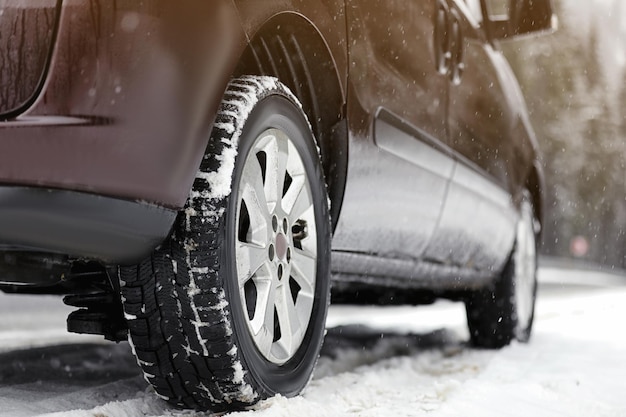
{"x":580,"y":123}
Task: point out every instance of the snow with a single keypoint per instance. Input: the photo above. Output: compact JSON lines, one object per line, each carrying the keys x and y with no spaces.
{"x":376,"y":361}
{"x":236,"y":111}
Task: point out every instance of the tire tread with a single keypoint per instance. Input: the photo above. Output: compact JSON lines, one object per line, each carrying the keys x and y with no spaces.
{"x":187,"y":353}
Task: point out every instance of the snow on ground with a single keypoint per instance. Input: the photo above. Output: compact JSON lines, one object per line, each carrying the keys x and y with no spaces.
{"x":377,"y":361}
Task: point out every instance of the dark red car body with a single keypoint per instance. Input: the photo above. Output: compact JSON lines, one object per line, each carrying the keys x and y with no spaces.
{"x":107,"y":105}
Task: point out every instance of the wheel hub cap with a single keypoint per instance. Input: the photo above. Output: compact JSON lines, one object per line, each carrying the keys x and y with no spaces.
{"x":281,"y":246}
{"x":276,"y":247}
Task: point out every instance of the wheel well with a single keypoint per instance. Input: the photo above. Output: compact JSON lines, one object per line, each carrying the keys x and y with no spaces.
{"x":291,"y":49}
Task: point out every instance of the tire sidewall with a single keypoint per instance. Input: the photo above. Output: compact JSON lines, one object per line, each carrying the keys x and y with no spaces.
{"x":278,"y":111}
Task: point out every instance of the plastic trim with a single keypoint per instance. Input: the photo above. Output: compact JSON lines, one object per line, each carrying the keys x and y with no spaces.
{"x":81,"y":225}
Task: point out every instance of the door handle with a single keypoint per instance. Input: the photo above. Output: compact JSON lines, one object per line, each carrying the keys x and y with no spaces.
{"x":448,"y":43}
{"x":442,"y":38}
{"x":456,"y":49}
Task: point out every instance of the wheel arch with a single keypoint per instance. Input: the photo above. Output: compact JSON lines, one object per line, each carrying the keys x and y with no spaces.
{"x":289,"y":47}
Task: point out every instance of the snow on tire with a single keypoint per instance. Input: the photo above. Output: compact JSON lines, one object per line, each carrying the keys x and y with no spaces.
{"x":231,"y":308}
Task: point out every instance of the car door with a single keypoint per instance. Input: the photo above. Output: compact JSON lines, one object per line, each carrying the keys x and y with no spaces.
{"x":398,"y":171}
{"x":477,"y":224}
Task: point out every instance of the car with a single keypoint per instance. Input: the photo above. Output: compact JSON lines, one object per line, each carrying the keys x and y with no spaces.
{"x":200,"y":177}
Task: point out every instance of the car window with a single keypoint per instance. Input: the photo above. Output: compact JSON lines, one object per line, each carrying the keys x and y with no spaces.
{"x":499,"y":8}
{"x":474,"y":8}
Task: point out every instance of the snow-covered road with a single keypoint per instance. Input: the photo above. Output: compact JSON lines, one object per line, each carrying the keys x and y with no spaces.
{"x":400,"y":361}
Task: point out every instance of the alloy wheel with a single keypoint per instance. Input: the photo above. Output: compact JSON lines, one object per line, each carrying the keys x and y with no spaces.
{"x":276,"y":246}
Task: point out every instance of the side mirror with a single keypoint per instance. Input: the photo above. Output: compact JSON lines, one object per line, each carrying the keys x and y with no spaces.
{"x":525,"y":17}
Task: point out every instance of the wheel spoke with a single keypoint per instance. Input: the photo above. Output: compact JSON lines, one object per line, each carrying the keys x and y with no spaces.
{"x":264,"y":295}
{"x":253,"y":194}
{"x":264,"y":309}
{"x":269,"y":302}
{"x":288,"y":318}
{"x":250,"y":258}
{"x":277,"y":152}
{"x":281,"y":349}
{"x":297,"y":199}
{"x":264,"y":340}
{"x":303,"y":271}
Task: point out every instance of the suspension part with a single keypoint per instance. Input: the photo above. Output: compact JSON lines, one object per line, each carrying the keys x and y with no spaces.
{"x":100,"y":308}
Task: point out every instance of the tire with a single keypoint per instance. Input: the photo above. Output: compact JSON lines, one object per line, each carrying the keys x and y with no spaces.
{"x":504,"y":311}
{"x":231,"y":309}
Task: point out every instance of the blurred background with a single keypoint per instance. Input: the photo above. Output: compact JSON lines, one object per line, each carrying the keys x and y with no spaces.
{"x":574,"y":82}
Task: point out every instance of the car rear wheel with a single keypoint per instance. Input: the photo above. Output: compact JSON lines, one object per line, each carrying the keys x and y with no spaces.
{"x":504,"y":311}
{"x":231,"y":309}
